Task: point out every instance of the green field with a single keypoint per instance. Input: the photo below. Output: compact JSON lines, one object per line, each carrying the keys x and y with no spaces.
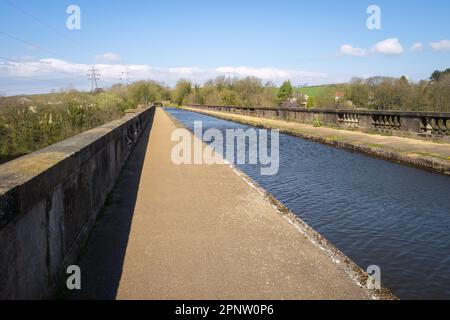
{"x":322,"y":91}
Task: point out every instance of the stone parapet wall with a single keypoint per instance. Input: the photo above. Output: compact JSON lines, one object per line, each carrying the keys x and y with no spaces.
{"x":50,"y":201}
{"x":426,"y":125}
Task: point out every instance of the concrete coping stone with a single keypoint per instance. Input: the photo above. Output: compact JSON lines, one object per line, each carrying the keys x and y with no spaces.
{"x":38,"y":172}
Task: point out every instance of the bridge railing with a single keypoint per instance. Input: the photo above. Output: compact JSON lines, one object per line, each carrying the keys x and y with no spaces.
{"x":430,"y":125}
{"x":50,"y":200}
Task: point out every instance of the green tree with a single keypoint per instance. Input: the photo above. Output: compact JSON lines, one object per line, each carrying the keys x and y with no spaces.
{"x":311,"y":102}
{"x":285,"y":92}
{"x":438,"y":75}
{"x":228,"y":97}
{"x":358,"y":92}
{"x":197,"y":95}
{"x":440,"y":94}
{"x":182,"y":90}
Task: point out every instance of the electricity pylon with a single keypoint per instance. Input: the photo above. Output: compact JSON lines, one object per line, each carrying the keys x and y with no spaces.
{"x":93,"y":76}
{"x":125,"y":77}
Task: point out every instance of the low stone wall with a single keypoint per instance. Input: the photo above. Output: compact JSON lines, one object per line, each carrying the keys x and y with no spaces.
{"x":427,"y":125}
{"x":50,"y":200}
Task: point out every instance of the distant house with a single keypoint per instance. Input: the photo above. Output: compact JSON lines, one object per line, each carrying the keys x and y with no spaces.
{"x":300,"y":100}
{"x":24,"y":100}
{"x":304,"y":101}
{"x":290,"y":103}
{"x":338,"y":96}
{"x":166,"y":102}
{"x":54,"y":103}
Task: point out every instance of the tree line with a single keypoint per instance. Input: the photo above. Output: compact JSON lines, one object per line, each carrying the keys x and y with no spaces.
{"x":376,"y":93}
{"x":30,"y":123}
{"x":381,"y":93}
{"x":33,"y":122}
{"x":249,"y":91}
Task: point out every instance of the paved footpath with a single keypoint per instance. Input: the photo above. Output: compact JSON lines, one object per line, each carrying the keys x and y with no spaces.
{"x":200,"y":232}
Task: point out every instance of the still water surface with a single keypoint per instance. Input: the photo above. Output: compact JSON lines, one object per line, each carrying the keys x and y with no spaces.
{"x":376,"y":212}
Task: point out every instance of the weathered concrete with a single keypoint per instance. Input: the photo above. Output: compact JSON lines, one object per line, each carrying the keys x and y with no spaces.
{"x":202,"y":232}
{"x":49,"y":201}
{"x":423,"y":154}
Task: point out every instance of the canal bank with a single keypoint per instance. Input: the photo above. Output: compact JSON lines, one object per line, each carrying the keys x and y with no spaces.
{"x":418,"y":153}
{"x":201,"y":232}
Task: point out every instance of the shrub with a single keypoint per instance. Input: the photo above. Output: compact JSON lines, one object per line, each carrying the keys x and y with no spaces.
{"x":317,"y":122}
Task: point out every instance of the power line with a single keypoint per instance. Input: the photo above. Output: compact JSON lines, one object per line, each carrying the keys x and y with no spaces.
{"x":29,"y":43}
{"x":125,"y":74}
{"x":31,"y":79}
{"x":9,"y":59}
{"x":31,"y":15}
{"x":43,"y":23}
{"x":94,"y":77}
{"x":48,"y":26}
{"x":25,"y":89}
{"x":56,"y":71}
{"x":60,"y":83}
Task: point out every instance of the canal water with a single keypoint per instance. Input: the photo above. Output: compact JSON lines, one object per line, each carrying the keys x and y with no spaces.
{"x":376,"y":212}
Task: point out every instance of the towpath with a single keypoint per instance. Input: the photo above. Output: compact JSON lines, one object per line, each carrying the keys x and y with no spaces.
{"x":200,"y":232}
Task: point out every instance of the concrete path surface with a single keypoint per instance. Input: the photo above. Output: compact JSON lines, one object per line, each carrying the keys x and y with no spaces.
{"x":200,"y":232}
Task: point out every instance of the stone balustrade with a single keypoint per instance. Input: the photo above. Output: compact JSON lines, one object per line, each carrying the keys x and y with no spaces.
{"x":348,"y":119}
{"x":427,"y":125}
{"x":435,"y":125}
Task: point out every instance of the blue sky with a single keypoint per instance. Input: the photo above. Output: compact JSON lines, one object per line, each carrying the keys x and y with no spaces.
{"x":166,"y":40}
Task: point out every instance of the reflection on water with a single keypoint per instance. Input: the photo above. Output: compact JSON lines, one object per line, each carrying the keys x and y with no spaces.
{"x":376,"y":212}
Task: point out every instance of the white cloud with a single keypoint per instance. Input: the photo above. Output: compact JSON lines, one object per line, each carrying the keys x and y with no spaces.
{"x":108,"y":57}
{"x":186,"y":71}
{"x":349,"y":50}
{"x":389,"y":46}
{"x":270,"y":74}
{"x":67,"y":73}
{"x":43,"y":67}
{"x":417,"y":47}
{"x":443,"y":45}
